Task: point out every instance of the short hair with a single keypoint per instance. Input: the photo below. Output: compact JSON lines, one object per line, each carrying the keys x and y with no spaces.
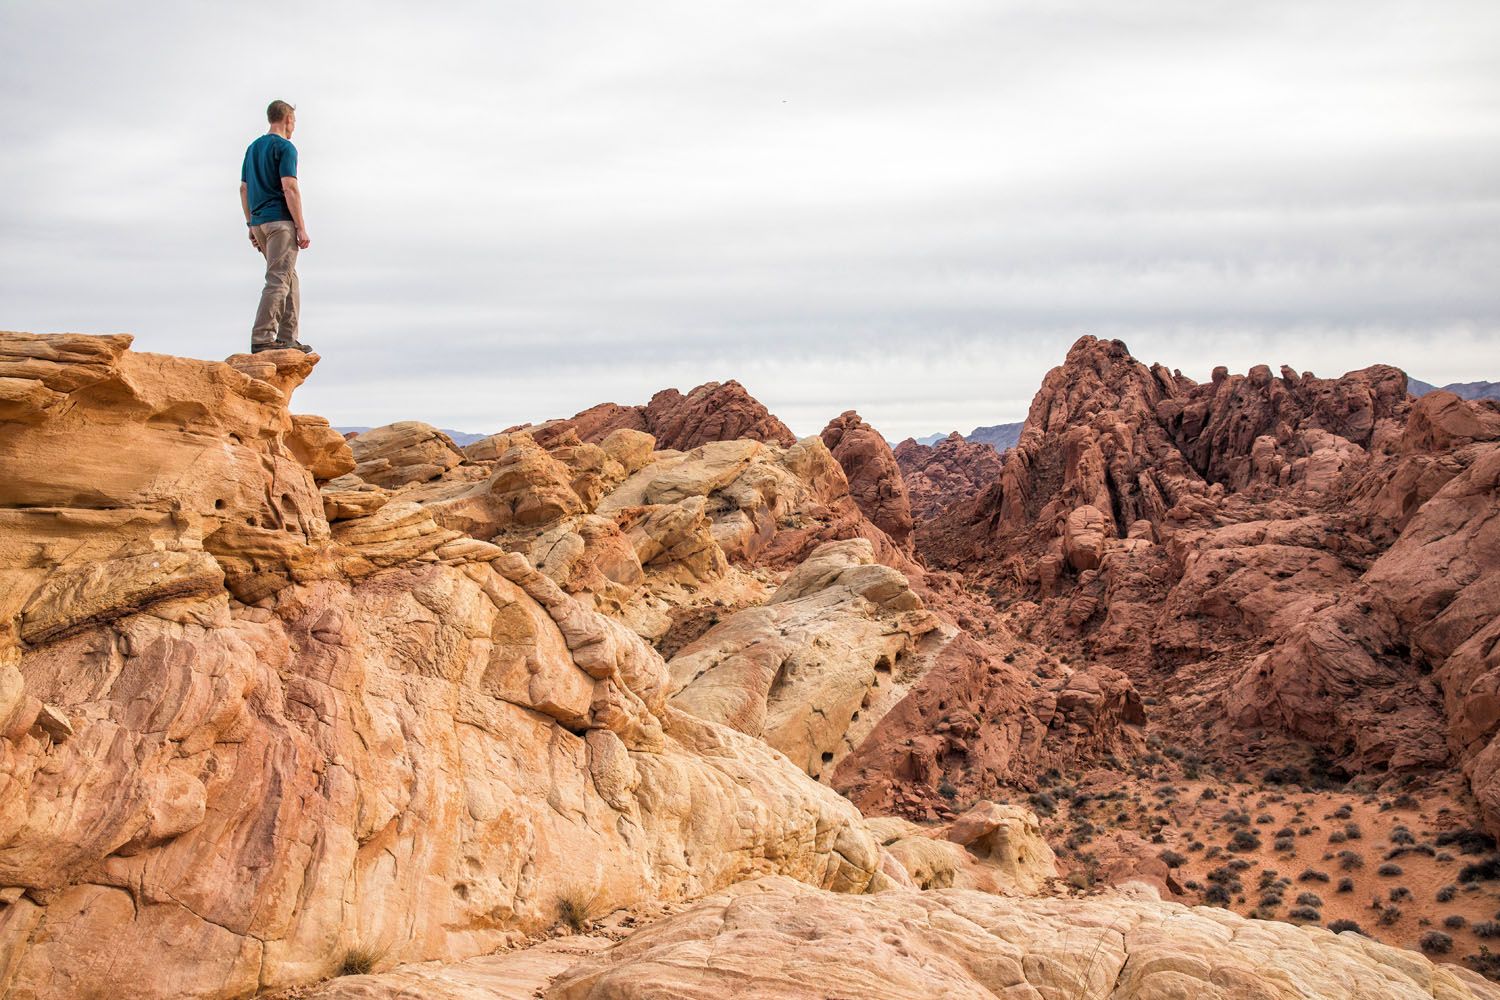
{"x":277,"y":111}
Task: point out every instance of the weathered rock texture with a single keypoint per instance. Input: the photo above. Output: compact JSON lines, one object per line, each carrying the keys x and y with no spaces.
{"x":948,"y":472}
{"x":775,"y":939}
{"x":247,"y":726}
{"x":715,"y":411}
{"x":874,"y":477}
{"x":1310,"y":555}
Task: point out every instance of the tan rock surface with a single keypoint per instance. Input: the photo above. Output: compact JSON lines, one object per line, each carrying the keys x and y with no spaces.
{"x":404,"y":452}
{"x":232,"y":735}
{"x":813,"y":670}
{"x":775,"y":939}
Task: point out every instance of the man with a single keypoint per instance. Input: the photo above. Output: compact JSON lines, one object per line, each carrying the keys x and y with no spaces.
{"x":273,"y":212}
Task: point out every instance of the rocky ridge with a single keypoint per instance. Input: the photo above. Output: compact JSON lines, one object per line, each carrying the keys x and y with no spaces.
{"x":257,"y":682}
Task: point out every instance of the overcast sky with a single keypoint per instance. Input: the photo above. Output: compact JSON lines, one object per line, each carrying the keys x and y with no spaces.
{"x":911,"y":209}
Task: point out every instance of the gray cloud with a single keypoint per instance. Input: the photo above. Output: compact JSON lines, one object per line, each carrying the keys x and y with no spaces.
{"x":911,"y":209}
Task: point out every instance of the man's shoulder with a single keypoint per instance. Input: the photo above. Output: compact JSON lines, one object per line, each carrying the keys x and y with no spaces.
{"x":271,"y":139}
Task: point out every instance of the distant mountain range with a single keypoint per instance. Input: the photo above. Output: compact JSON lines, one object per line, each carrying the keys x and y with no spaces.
{"x":1464,"y":390}
{"x":460,"y":438}
{"x":997,"y":436}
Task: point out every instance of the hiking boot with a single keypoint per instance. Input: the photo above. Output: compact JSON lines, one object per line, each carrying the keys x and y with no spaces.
{"x":277,"y":345}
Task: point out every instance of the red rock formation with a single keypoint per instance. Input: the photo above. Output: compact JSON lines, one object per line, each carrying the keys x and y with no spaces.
{"x":874,"y":477}
{"x":715,"y":411}
{"x":1310,"y":555}
{"x":945,"y":473}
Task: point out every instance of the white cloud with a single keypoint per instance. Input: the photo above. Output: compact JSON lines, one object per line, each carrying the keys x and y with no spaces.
{"x":907,"y":208}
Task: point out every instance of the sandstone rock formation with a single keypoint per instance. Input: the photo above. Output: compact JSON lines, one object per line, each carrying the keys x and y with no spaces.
{"x":874,"y":477}
{"x":1306,"y":554}
{"x":799,"y":671}
{"x":774,"y":938}
{"x":233,"y":732}
{"x":714,"y":411}
{"x":404,"y":452}
{"x":270,"y":700}
{"x":946,"y":473}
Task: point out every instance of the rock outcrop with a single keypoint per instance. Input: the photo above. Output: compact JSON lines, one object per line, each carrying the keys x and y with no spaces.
{"x":234,"y":731}
{"x":951,"y":471}
{"x":774,"y":938}
{"x":874,"y":477}
{"x":1309,"y":555}
{"x":714,"y":411}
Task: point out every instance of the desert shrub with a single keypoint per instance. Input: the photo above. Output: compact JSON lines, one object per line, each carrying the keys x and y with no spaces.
{"x":1467,"y":841}
{"x":1217,"y":895}
{"x":1405,"y":801}
{"x":1306,"y":913}
{"x":1235,"y":817}
{"x":1243,"y":840}
{"x":1224,"y":875}
{"x":1350,"y":860}
{"x":1436,"y":943}
{"x":1486,"y":929}
{"x":359,"y":962}
{"x":1172,"y":859}
{"x":1337,"y":837}
{"x":1390,"y":915}
{"x":1286,"y":831}
{"x":1401,"y":835}
{"x":1270,"y":900}
{"x":1401,"y":852}
{"x":1455,"y":922}
{"x":1283,"y":776}
{"x":1208,"y":795}
{"x":1339,"y":926}
{"x":1481,"y":871}
{"x":1344,"y":811}
{"x":1346,"y":885}
{"x":1446,"y":893}
{"x":1043,"y":803}
{"x":1400,"y":894}
{"x":1309,"y":899}
{"x":1485,"y":962}
{"x":1313,"y":875}
{"x":1390,"y":870}
{"x":1284,"y":844}
{"x":575,"y":905}
{"x":1444,"y":856}
{"x":1353,"y":831}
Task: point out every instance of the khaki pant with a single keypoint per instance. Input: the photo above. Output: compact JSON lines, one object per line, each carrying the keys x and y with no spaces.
{"x":276,"y":319}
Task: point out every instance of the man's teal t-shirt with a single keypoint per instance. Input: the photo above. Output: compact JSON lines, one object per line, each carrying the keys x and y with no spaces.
{"x":267,"y":161}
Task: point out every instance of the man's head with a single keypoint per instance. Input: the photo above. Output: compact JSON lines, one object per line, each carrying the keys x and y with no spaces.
{"x":282,"y":116}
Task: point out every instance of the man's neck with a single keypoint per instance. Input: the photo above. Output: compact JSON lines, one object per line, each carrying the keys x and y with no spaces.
{"x":279,"y":130}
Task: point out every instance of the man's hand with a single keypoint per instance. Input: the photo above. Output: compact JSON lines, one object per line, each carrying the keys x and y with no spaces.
{"x":253,"y":241}
{"x":303,"y":240}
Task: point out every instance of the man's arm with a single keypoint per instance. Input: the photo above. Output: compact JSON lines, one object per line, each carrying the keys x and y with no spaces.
{"x":245,"y":205}
{"x":293,"y":195}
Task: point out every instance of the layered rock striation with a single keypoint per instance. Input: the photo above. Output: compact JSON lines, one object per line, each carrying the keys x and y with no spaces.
{"x":248,"y":725}
{"x":1306,"y":555}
